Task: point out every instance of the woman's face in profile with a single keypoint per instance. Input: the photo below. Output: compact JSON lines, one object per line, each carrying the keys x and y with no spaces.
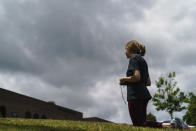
{"x":127,"y":53}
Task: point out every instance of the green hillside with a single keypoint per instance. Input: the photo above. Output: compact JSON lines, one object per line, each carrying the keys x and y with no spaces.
{"x":19,"y":124}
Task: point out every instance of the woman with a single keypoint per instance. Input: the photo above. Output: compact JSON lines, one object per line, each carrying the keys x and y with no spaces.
{"x":137,"y":79}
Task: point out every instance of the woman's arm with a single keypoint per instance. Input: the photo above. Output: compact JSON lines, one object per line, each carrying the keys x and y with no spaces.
{"x":135,"y":78}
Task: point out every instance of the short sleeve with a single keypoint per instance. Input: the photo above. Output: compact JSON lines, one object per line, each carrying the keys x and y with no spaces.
{"x":133,"y":64}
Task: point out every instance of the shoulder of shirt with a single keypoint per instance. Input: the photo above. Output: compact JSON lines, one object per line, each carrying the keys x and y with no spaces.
{"x":135,"y":57}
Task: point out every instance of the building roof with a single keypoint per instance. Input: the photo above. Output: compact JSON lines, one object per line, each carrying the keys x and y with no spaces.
{"x":29,"y":97}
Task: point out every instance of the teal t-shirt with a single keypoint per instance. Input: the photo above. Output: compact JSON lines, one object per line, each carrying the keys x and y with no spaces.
{"x":138,"y":90}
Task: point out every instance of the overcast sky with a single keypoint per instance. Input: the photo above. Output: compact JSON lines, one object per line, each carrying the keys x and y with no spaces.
{"x":72,"y":51}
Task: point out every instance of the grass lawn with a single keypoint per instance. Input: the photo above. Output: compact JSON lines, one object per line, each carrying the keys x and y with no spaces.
{"x":20,"y":124}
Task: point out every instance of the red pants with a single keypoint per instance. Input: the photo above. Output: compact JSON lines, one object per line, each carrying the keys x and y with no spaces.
{"x":137,"y":111}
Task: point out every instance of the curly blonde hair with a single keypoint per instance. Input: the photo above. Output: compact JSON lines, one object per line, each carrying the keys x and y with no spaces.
{"x":135,"y":47}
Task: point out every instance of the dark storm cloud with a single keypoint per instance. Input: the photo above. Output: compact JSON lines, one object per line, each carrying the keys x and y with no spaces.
{"x":70,"y":39}
{"x":13,"y":57}
{"x":186,"y":57}
{"x":14,"y":30}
